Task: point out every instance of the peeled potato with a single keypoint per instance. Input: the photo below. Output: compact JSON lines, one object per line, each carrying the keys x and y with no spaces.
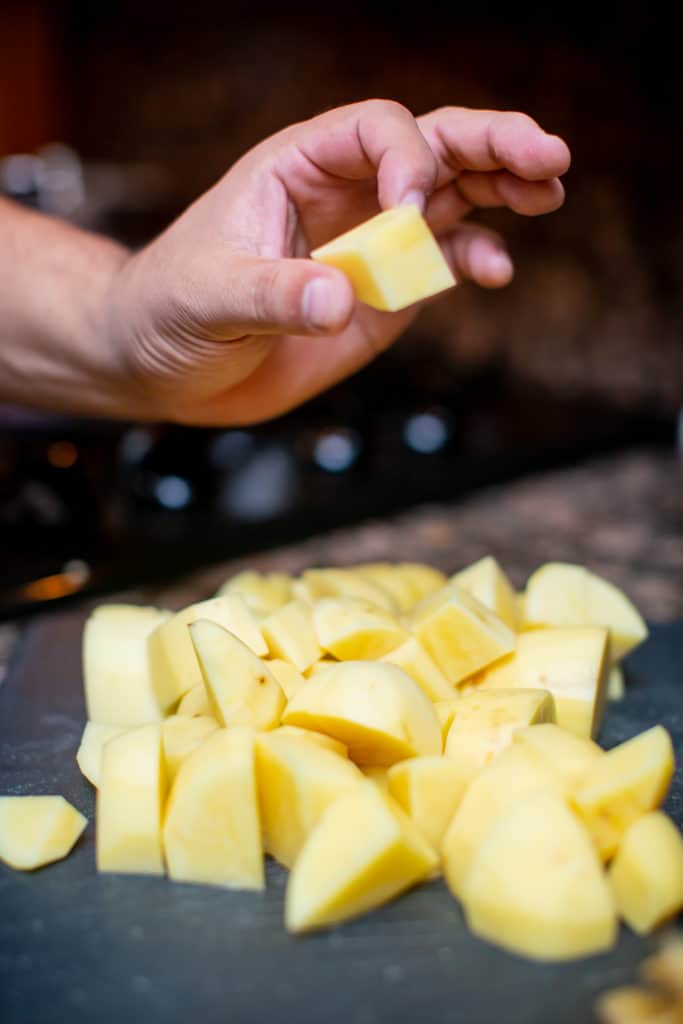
{"x":352,"y":631}
{"x":89,"y":753}
{"x":647,"y":872}
{"x":240,"y":688}
{"x":413,"y":659}
{"x":297,"y":781}
{"x":459,"y":632}
{"x":485,"y":723}
{"x":363,"y":852}
{"x":623,"y":784}
{"x":429,"y":789}
{"x":536,"y":887}
{"x":375,"y":709}
{"x":571,"y":756}
{"x":180,"y":735}
{"x":290,"y":634}
{"x":212,"y":831}
{"x":37,"y":830}
{"x":486,"y":581}
{"x":561,"y":594}
{"x":263,"y":592}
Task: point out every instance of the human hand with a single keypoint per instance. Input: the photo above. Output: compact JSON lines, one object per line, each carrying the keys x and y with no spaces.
{"x":223,"y":320}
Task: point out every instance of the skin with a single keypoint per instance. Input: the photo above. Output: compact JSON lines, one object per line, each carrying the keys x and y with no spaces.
{"x":222,"y":319}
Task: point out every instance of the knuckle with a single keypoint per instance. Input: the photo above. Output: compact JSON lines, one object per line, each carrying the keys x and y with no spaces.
{"x":388,"y":108}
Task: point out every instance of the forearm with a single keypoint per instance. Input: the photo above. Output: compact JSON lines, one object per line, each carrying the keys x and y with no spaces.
{"x":55,"y":351}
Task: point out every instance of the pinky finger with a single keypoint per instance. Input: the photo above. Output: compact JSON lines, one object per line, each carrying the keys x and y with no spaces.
{"x":479,"y":254}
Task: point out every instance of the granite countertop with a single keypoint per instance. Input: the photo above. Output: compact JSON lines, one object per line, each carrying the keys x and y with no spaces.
{"x":622,"y":516}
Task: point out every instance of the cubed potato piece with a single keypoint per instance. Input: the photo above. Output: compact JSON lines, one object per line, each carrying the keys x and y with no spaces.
{"x":392,"y":260}
{"x":352,"y":631}
{"x":421,"y":579}
{"x":320,"y":666}
{"x":180,"y":735}
{"x":486,"y":581}
{"x":647,"y":872}
{"x":172,"y":658}
{"x":380,"y":776}
{"x":119,"y":688}
{"x":318,"y":583}
{"x":571,"y":756}
{"x":631,"y":1005}
{"x":624,"y":784}
{"x":572,"y":663}
{"x":291,"y":635}
{"x":560,"y":594}
{"x":318,"y":738}
{"x":289,"y":678}
{"x":536,"y":887}
{"x":195,"y":703}
{"x":445,"y":712}
{"x":212,"y":831}
{"x":37,"y":830}
{"x":363,"y":851}
{"x":388,"y":578}
{"x":376,"y":710}
{"x":129,"y":803}
{"x":263,"y":592}
{"x":665,"y":967}
{"x":429,"y":789}
{"x":297,"y":781}
{"x":520,"y":604}
{"x":459,"y":632}
{"x":616,"y":688}
{"x":485,"y":723}
{"x":512,"y":775}
{"x":413,"y":659}
{"x":240,"y":688}
{"x":89,"y":754}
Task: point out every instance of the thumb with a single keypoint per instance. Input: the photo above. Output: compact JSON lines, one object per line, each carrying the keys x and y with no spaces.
{"x":288,"y":296}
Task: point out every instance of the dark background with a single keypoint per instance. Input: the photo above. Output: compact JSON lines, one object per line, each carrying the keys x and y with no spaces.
{"x":581,"y":354}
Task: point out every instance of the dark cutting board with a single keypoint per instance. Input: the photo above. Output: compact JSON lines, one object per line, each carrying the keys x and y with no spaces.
{"x":77,"y":946}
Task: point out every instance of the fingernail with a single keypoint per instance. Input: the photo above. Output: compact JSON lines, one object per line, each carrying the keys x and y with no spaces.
{"x":320,"y":304}
{"x":414,"y":198}
{"x":501,"y":265}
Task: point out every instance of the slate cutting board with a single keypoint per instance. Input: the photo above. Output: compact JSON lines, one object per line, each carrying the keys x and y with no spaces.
{"x":75,"y":946}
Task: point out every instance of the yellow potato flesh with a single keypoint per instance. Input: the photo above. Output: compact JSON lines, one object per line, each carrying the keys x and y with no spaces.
{"x":311,"y":736}
{"x":515,"y":773}
{"x":172,"y":658}
{"x":536,"y":887}
{"x":571,"y":756}
{"x":195,"y":702}
{"x":380,"y":776}
{"x":485,"y":723}
{"x":89,"y":754}
{"x":389,"y":579}
{"x":351,"y":631}
{"x":486,"y":581}
{"x":119,"y":687}
{"x":297,"y":781}
{"x":392,"y":260}
{"x":291,"y":636}
{"x":37,"y":830}
{"x":459,"y":632}
{"x":421,"y":579}
{"x":375,"y":709}
{"x":289,"y":678}
{"x":262,"y":592}
{"x":572,"y":663}
{"x":616,"y":688}
{"x":319,"y":583}
{"x":180,"y":735}
{"x":363,"y":852}
{"x":413,"y":659}
{"x":429,"y":789}
{"x":561,"y":594}
{"x":631,"y":1005}
{"x":624,"y":784}
{"x":212,"y":832}
{"x":647,"y":872}
{"x":445,"y":712}
{"x":129,"y":803}
{"x":240,"y":688}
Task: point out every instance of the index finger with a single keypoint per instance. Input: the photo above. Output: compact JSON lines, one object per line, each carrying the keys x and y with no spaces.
{"x":489,"y":140}
{"x":376,"y":138}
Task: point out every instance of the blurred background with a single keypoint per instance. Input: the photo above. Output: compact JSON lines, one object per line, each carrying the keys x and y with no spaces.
{"x":115,"y":115}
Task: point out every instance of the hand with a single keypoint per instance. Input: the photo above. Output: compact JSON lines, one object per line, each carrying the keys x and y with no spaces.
{"x":223,"y":320}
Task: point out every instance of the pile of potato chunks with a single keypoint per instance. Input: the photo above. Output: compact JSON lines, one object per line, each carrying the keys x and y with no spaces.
{"x":375,"y":727}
